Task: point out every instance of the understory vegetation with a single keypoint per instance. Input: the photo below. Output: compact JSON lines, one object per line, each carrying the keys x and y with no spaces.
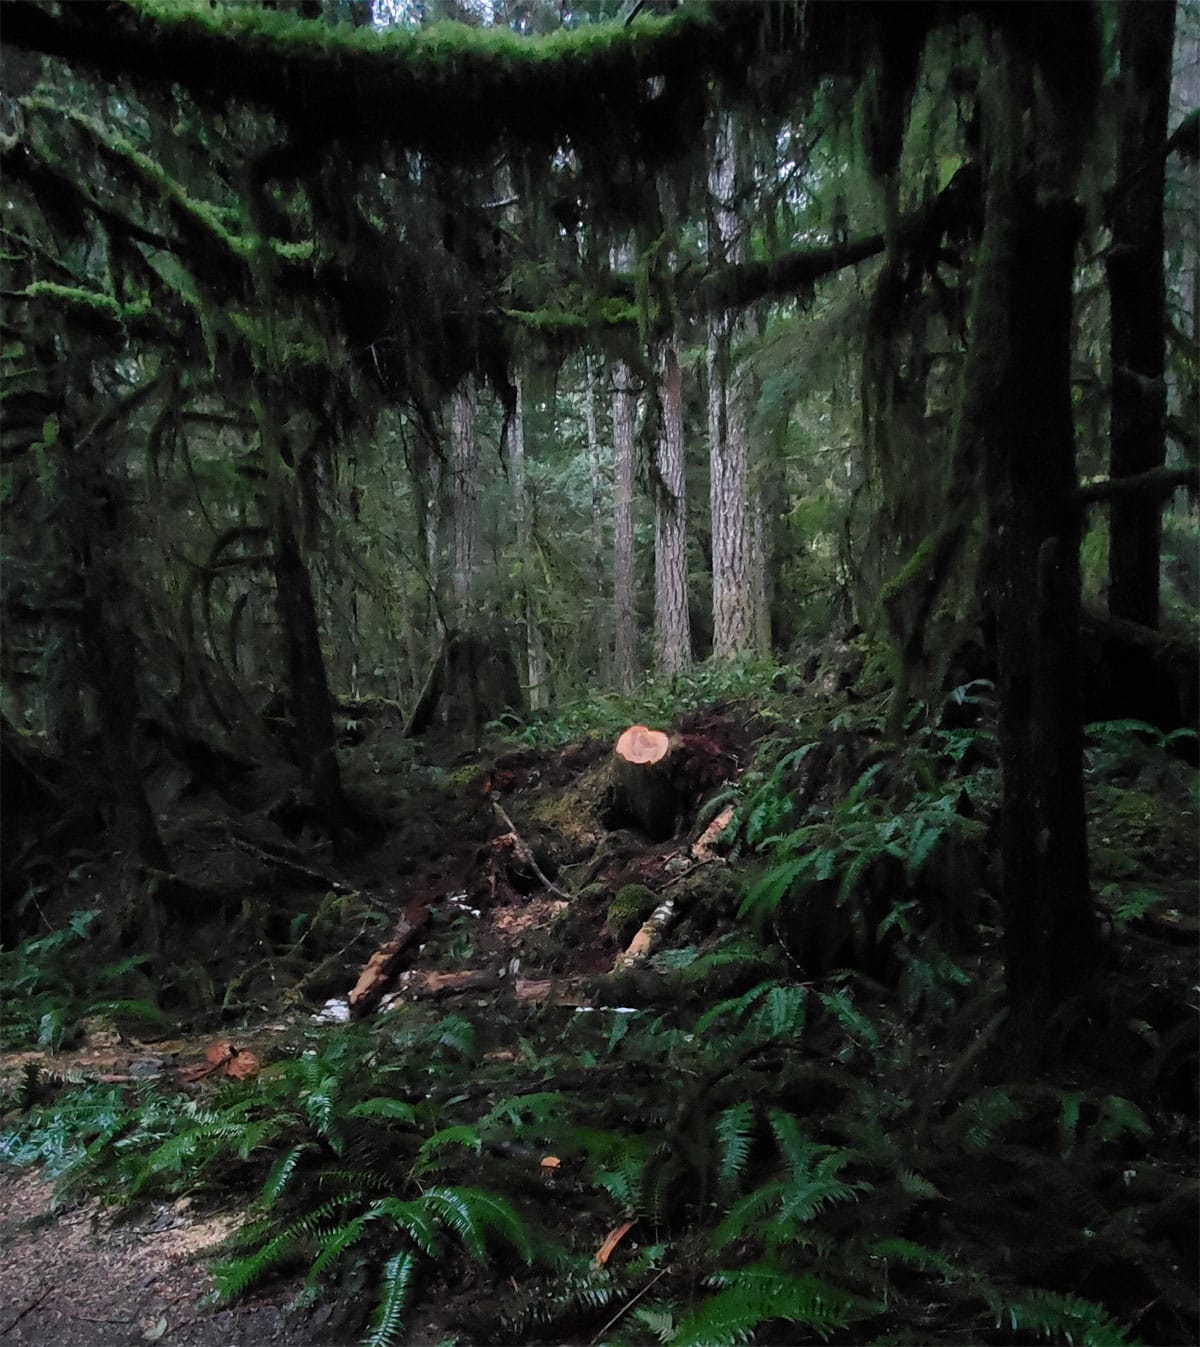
{"x":799,"y":1121}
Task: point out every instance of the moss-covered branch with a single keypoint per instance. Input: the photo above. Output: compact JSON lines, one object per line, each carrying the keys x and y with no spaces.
{"x":448,"y":87}
{"x":1156,"y":484}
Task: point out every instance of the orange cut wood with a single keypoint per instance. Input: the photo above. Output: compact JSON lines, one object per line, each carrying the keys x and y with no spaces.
{"x":642,"y":745}
{"x":644,"y":781}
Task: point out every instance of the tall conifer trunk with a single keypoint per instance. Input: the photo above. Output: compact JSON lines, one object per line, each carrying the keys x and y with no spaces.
{"x":672,"y":626}
{"x":535,"y":649}
{"x":624,"y":408}
{"x":595,"y":470}
{"x":1017,"y":407}
{"x":464,"y":502}
{"x":1137,"y":298}
{"x":732,"y":547}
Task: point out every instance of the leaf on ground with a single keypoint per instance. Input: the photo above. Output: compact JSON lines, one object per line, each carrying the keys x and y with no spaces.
{"x":605,"y":1251}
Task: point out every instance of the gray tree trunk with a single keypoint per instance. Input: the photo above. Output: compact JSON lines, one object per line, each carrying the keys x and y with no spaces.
{"x":596,"y":469}
{"x":624,"y":409}
{"x":535,"y":649}
{"x":1137,"y":298}
{"x":464,"y":505}
{"x":672,"y":625}
{"x":732,"y":549}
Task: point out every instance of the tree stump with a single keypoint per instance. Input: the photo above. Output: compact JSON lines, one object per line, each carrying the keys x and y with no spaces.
{"x":643,"y":780}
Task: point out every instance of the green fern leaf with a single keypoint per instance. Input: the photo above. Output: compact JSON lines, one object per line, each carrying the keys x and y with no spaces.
{"x":461,"y":1135}
{"x":474,"y":1215}
{"x":733,"y":1134}
{"x":1066,"y":1318}
{"x":387,"y":1322}
{"x":384,"y":1107}
{"x":281,"y":1173}
{"x":758,"y":1294}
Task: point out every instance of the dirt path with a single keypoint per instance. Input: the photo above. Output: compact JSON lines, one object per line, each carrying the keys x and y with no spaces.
{"x":77,"y":1280}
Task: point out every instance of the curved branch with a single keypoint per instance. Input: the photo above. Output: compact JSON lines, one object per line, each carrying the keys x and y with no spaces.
{"x":1157,"y":484}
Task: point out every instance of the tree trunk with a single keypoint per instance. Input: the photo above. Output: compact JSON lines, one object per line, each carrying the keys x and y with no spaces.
{"x":733,"y":616}
{"x":1017,"y":407}
{"x":92,"y":505}
{"x":624,"y":407}
{"x":535,"y":650}
{"x":672,"y":626}
{"x":595,"y":468}
{"x":312,"y":705}
{"x":464,"y":512}
{"x":1137,"y":298}
{"x":642,"y":777}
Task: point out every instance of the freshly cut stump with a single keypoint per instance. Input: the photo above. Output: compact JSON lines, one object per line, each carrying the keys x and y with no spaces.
{"x":643,"y":780}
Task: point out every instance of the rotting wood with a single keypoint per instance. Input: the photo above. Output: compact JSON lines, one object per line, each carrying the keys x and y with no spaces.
{"x":570,"y":991}
{"x":642,"y":779}
{"x":379,"y":969}
{"x":414,"y":984}
{"x":660,"y":921}
{"x":648,"y":939}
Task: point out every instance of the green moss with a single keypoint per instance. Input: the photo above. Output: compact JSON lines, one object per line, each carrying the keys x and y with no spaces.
{"x":913,"y":569}
{"x":628,"y":910}
{"x":101,"y":312}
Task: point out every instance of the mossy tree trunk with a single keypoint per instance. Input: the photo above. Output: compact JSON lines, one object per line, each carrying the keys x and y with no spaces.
{"x":1017,"y":406}
{"x":1137,"y":298}
{"x":94,"y":503}
{"x":312,"y":704}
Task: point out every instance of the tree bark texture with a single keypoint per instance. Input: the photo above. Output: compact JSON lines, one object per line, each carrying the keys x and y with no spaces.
{"x":464,"y":511}
{"x":535,"y":650}
{"x":596,"y":471}
{"x":1137,"y":299}
{"x":624,"y":409}
{"x":1017,"y":407}
{"x":312,"y":705}
{"x":672,"y":625}
{"x":733,"y":616}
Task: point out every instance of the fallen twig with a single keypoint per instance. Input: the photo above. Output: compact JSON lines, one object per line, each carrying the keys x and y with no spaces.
{"x":33,"y":1304}
{"x":524,"y":852}
{"x":629,"y":1304}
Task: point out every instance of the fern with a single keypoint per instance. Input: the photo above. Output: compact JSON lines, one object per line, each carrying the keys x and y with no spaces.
{"x":281,"y":1173}
{"x":758,"y":1294}
{"x":396,"y":1290}
{"x":476,"y":1216}
{"x":1065,"y":1318}
{"x":733,"y":1129}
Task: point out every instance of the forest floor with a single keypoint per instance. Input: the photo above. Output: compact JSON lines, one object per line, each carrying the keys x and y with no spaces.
{"x":511,"y":887}
{"x":75,"y":1277}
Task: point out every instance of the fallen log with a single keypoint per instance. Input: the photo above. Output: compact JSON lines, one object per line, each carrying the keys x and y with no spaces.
{"x":643,"y":780}
{"x":660,"y":921}
{"x":379,"y":969}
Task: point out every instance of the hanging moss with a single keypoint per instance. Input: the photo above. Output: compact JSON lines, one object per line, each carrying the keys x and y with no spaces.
{"x":101,"y":313}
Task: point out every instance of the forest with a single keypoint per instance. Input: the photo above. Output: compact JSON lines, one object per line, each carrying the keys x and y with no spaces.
{"x":600,"y":673}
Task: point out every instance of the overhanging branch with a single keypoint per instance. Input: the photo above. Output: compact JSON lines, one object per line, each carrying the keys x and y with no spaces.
{"x":1158,"y":484}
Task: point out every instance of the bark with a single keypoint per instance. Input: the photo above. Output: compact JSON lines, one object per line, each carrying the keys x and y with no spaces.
{"x":733,"y":616}
{"x":91,"y":502}
{"x":1137,"y":298}
{"x":595,"y":468}
{"x":535,"y":650}
{"x":1017,"y":407}
{"x":643,"y":780}
{"x":624,"y":407}
{"x":464,"y":462}
{"x":312,"y":705}
{"x":672,"y":626}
